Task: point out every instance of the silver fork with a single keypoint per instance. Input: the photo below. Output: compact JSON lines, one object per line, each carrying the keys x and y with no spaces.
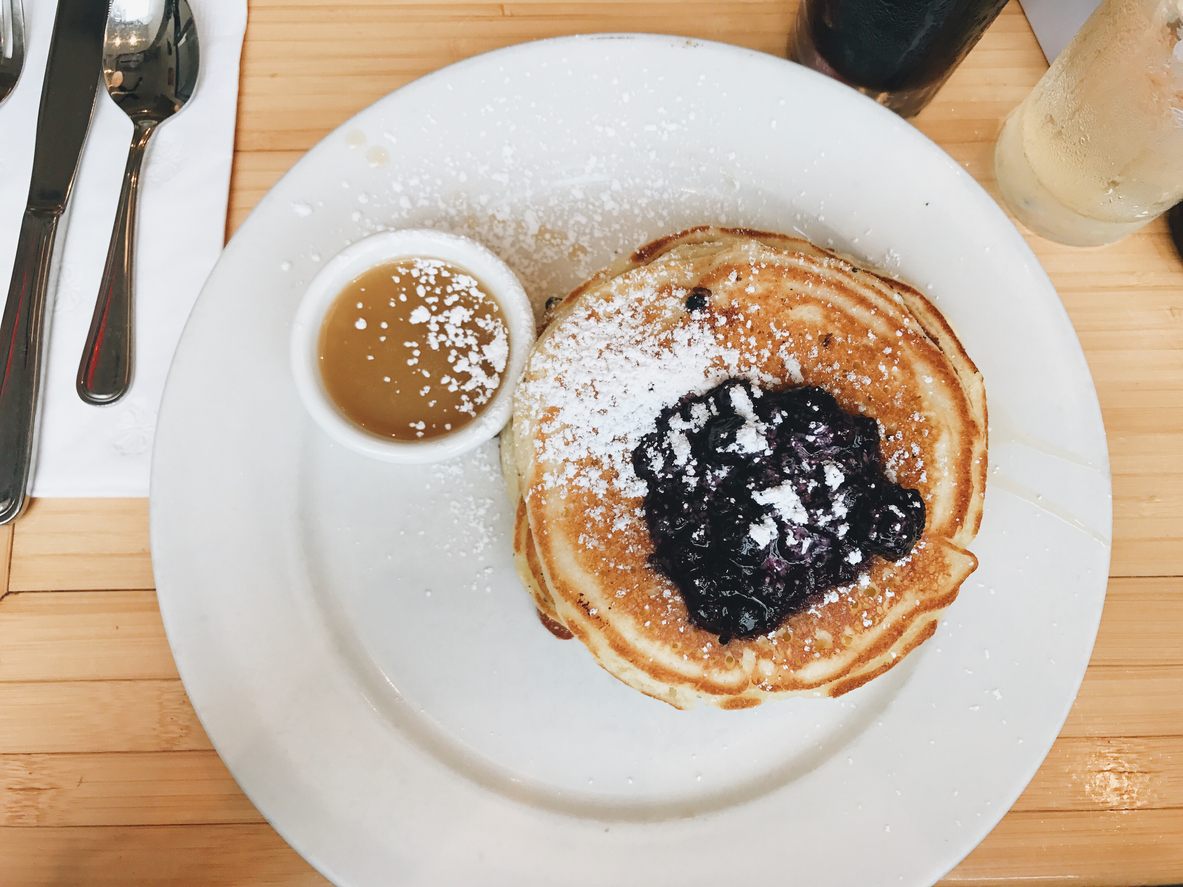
{"x":12,"y":45}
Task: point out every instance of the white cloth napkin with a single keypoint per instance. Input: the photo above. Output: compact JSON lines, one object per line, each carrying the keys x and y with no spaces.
{"x":86,"y":450}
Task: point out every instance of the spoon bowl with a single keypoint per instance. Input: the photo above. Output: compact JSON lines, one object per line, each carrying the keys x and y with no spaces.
{"x":151,"y":59}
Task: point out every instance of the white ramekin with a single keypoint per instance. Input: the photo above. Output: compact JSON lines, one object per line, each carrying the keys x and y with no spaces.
{"x":388,"y":246}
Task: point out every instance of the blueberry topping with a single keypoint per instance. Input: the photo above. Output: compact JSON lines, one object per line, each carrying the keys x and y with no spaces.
{"x":759,"y":501}
{"x":698,"y":299}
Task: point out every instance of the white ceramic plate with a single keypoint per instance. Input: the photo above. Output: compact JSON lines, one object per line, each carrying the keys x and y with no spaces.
{"x":352,"y":633}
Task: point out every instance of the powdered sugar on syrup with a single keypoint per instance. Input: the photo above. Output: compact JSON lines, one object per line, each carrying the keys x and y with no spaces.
{"x":413,"y":349}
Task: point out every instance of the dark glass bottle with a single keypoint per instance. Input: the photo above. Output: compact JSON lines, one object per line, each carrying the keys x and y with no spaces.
{"x":899,"y":52}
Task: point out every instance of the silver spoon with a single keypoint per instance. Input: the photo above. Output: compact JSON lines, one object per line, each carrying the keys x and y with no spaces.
{"x":150,"y":62}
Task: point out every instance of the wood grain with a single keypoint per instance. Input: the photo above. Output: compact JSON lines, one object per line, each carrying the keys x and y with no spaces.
{"x":128,"y":788}
{"x":83,"y":636}
{"x":1109,"y":773}
{"x":194,"y":787}
{"x":154,"y":856}
{"x":70,"y":640}
{"x":75,"y":544}
{"x":1143,"y":700}
{"x":118,"y":636}
{"x":154,"y":715}
{"x":106,"y":777}
{"x":1108,"y":849}
{"x":75,"y":716}
{"x":1140,"y":625}
{"x":1057,"y":850}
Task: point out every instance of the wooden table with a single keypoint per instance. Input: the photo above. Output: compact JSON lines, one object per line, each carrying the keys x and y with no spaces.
{"x":106,"y":777}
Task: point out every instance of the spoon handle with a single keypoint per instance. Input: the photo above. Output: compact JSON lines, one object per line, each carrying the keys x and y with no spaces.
{"x":20,"y":357}
{"x":104,"y":374}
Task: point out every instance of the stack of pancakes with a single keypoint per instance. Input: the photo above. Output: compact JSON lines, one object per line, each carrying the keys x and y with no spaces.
{"x":779,"y":312}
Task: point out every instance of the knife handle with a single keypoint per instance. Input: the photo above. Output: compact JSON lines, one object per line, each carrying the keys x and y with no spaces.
{"x":104,"y":373}
{"x":21,"y":343}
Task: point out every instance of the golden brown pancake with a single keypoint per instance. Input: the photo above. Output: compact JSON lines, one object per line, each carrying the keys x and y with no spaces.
{"x":525,"y":555}
{"x":782,"y":313}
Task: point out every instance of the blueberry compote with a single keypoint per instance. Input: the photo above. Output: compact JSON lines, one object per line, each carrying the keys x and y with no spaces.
{"x":759,"y":500}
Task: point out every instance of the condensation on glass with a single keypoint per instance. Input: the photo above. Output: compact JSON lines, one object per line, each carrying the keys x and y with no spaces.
{"x":1096,"y":150}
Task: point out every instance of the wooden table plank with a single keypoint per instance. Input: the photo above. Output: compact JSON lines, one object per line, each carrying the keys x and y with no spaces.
{"x":153,"y":856}
{"x":65,"y":664}
{"x":1130,"y":701}
{"x":194,"y":787}
{"x":82,"y":716}
{"x":1108,"y":773}
{"x":74,"y":544}
{"x":83,"y":636}
{"x":1060,"y":849}
{"x":155,"y":715}
{"x":309,"y":105}
{"x":128,"y":788}
{"x":117,"y":635}
{"x":1109,"y":849}
{"x":1140,"y":625}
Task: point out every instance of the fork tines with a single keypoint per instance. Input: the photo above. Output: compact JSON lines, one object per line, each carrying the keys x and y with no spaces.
{"x":12,"y":45}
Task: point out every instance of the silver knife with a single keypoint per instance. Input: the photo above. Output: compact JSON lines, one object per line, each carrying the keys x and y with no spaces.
{"x":67,"y":102}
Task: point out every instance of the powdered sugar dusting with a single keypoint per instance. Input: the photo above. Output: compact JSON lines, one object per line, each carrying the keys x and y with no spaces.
{"x":621,"y":367}
{"x":763,"y":532}
{"x":785,"y":502}
{"x":452,"y":325}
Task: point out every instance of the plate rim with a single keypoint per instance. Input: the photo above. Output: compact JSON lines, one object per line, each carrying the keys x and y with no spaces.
{"x":510,"y":53}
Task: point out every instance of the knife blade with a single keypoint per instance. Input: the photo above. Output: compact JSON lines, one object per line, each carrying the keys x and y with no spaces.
{"x":67,"y":100}
{"x":67,"y":103}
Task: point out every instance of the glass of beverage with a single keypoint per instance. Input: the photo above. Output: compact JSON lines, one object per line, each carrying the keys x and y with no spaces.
{"x":899,"y":52}
{"x":1096,"y":150}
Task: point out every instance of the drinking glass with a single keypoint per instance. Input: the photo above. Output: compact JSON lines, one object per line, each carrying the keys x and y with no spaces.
{"x":1096,"y":150}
